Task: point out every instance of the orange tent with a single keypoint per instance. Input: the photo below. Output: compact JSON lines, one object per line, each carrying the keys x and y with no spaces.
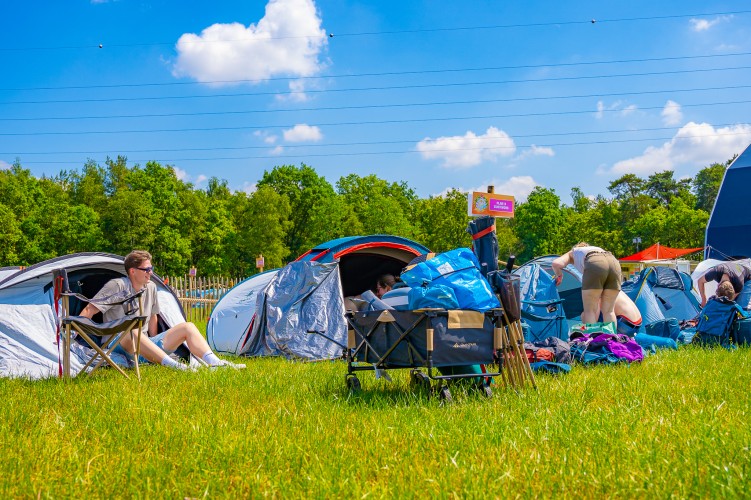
{"x":659,"y":252}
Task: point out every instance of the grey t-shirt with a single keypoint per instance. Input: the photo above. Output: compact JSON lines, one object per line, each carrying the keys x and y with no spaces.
{"x":149,"y":301}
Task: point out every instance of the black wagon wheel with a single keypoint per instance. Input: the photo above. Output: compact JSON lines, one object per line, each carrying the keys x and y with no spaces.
{"x":419,"y":380}
{"x":444,"y":394}
{"x":353,"y":383}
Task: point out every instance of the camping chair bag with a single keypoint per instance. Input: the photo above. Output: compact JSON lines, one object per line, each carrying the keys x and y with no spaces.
{"x":451,"y":346}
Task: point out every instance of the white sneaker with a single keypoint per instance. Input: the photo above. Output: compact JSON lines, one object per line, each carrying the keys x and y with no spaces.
{"x":228,"y":364}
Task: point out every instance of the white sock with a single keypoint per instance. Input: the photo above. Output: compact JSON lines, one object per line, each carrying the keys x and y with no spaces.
{"x":212,"y":359}
{"x":171,"y":363}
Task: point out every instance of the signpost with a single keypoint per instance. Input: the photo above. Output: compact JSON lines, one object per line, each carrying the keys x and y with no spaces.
{"x":494,"y":205}
{"x":259,"y":263}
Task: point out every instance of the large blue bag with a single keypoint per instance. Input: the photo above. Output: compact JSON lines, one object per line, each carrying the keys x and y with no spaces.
{"x":458,"y":270}
{"x":716,"y":321}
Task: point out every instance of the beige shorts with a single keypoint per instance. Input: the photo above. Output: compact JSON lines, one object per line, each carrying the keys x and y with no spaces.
{"x":601,"y":272}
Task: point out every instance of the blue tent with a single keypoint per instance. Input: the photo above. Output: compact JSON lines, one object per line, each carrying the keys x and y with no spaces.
{"x":729,"y":228}
{"x":662,"y":292}
{"x":570,"y":289}
{"x":542,"y":306}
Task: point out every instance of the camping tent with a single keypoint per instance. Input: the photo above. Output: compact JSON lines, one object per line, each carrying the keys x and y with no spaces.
{"x":662,"y":292}
{"x":659,"y":252}
{"x":570,"y":288}
{"x":272,"y":313}
{"x":659,"y":292}
{"x":542,"y":308}
{"x":28,"y":317}
{"x":729,"y":229}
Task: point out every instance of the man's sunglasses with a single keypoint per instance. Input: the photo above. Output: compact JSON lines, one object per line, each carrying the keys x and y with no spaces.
{"x":147,"y":269}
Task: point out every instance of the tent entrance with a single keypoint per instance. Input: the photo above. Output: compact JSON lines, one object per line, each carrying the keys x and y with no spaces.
{"x":359,"y":271}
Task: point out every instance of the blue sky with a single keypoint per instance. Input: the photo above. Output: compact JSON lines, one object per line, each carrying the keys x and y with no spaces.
{"x":439,"y":94}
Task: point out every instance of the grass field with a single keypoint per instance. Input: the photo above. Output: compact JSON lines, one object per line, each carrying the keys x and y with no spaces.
{"x":677,"y":425}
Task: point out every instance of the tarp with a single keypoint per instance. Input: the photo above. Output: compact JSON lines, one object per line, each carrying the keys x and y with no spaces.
{"x":729,"y":229}
{"x":238,"y":321}
{"x":28,"y":318}
{"x":659,"y":252}
{"x":300,"y":314}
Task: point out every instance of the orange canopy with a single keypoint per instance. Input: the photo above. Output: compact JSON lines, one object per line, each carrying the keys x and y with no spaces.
{"x":659,"y":252}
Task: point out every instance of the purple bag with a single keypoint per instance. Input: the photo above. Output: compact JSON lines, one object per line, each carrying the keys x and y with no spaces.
{"x":622,"y":346}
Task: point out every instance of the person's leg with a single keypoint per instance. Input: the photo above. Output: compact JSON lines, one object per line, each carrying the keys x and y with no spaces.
{"x":591,"y":305}
{"x":150,"y":351}
{"x":197,"y":345}
{"x":188,"y":333}
{"x":607,"y":302}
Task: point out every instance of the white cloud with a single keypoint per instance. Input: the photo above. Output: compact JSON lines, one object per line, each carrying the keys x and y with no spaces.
{"x":671,"y":113}
{"x":296,"y":92}
{"x":277,"y":151}
{"x":534,"y":150}
{"x":180,"y":174}
{"x":302,"y":133}
{"x":695,"y":144}
{"x":249,"y":187}
{"x":288,"y":40}
{"x":184,"y":176}
{"x":266,"y":136}
{"x":620,"y":106}
{"x":468,"y":150}
{"x":699,"y":25}
{"x":5,"y":165}
{"x":519,"y":187}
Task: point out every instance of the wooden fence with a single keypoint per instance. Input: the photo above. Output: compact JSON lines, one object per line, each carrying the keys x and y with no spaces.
{"x":199,"y":294}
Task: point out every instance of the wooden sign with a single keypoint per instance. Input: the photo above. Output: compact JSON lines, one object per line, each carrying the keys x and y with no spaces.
{"x":494,"y":205}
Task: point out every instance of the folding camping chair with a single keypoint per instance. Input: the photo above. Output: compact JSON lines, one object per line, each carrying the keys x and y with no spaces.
{"x":88,"y":329}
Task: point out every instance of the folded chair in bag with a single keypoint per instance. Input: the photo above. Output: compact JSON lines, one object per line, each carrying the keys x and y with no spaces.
{"x":89,"y":330}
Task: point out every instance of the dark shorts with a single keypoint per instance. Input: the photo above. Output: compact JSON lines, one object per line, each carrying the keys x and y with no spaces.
{"x":601,"y":272}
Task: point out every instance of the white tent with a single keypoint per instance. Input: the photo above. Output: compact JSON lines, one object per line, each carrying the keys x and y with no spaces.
{"x":710,"y":287}
{"x":28,"y":316}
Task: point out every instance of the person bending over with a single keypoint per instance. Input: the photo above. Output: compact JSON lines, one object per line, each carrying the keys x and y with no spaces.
{"x":601,"y":280}
{"x":154,"y":347}
{"x":737,"y":274}
{"x":726,"y":290}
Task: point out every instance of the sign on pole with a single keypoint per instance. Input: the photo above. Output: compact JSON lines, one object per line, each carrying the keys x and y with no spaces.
{"x":260,"y":262}
{"x":494,"y":205}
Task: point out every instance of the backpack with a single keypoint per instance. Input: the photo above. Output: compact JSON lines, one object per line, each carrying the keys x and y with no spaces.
{"x":716,"y":322}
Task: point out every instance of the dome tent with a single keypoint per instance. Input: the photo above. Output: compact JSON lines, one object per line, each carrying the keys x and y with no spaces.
{"x":28,"y":316}
{"x":271,"y":313}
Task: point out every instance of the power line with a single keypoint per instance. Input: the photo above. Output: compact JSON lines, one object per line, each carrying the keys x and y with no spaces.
{"x":361,"y":143}
{"x":390,"y":87}
{"x":375,"y":106}
{"x":374,"y":122}
{"x":372,"y":153}
{"x":333,"y":35}
{"x":387,"y":73}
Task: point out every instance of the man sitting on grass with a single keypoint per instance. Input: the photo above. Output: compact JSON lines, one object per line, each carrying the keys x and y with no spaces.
{"x":154,"y":347}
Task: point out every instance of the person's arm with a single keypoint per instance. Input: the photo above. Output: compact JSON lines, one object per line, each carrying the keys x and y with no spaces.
{"x":700,"y":285}
{"x":89,"y":311}
{"x":558,"y":265}
{"x":153,"y":326}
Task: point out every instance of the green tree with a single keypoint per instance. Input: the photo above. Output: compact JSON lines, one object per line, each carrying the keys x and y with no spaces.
{"x":305,"y":190}
{"x":538,"y":224}
{"x":664,"y":188}
{"x":383,"y":207}
{"x":442,"y":222}
{"x":707,"y":183}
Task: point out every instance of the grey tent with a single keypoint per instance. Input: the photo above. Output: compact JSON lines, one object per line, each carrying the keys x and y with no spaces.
{"x":728,"y":233}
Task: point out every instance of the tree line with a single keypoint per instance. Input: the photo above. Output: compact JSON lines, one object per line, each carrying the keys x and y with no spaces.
{"x":116,"y":208}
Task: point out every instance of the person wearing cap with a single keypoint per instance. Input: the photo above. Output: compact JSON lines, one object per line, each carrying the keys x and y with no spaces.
{"x":601,"y":280}
{"x":155,"y":347}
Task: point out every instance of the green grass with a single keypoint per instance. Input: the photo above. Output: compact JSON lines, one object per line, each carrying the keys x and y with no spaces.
{"x":677,"y":425}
